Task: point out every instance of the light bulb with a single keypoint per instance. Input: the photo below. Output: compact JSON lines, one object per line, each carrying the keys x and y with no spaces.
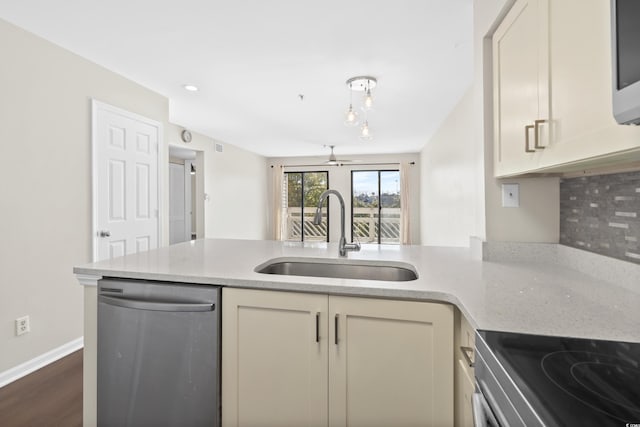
{"x":351,"y":117}
{"x":368,"y":100}
{"x":365,"y":133}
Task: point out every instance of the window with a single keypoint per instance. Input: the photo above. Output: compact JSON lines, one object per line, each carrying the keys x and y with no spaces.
{"x":302,"y":191}
{"x":375,"y":206}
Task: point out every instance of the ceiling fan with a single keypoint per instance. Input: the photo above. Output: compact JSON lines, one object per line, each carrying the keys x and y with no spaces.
{"x":334,"y":161}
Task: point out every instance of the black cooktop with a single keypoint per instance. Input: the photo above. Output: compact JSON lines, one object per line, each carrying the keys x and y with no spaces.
{"x":570,"y":381}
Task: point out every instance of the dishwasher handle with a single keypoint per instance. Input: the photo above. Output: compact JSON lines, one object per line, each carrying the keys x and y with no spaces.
{"x":156,"y":305}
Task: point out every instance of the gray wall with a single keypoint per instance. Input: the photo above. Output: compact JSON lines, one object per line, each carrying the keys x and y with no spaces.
{"x":601,"y":214}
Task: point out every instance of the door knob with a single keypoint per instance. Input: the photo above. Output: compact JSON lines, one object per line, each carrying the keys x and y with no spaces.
{"x":104,"y":233}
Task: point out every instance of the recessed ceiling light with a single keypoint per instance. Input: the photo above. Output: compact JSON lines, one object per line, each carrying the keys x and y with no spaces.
{"x":190,"y":88}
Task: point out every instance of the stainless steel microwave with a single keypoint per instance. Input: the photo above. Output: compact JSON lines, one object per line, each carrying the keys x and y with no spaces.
{"x":625,"y":37}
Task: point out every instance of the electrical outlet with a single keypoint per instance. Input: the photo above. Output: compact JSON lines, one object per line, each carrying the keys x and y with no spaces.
{"x":22,"y":325}
{"x":510,"y":195}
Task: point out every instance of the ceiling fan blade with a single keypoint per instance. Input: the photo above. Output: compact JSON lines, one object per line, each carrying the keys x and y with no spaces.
{"x":340,"y":161}
{"x":334,"y":161}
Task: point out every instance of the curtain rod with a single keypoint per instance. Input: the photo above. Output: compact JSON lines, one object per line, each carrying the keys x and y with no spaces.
{"x":344,"y":164}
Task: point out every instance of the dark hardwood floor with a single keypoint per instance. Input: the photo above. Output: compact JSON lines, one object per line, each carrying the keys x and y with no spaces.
{"x":51,"y":396}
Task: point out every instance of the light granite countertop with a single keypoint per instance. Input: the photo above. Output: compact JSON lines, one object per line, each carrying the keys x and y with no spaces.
{"x":529,"y":297}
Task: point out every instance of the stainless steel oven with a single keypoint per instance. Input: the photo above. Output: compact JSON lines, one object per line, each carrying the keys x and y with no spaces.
{"x":497,"y":400}
{"x":483,"y":415}
{"x":535,"y":380}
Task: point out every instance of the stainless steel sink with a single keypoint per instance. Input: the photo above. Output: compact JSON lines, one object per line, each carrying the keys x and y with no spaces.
{"x":360,"y":270}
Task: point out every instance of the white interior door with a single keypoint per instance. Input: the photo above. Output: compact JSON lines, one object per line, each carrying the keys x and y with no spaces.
{"x":177,"y":203}
{"x":189,"y":208}
{"x":125,"y":190}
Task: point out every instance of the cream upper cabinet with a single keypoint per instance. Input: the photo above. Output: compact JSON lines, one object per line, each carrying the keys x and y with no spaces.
{"x":552,"y":84}
{"x":521,"y":86}
{"x":583,"y":126}
{"x":390,"y":363}
{"x":372,"y":363}
{"x":274,"y":368}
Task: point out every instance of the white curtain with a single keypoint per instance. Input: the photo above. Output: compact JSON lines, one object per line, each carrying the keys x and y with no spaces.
{"x":277,"y":201}
{"x":405,"y":230}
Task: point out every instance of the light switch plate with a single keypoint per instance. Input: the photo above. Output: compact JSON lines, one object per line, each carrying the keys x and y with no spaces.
{"x":510,"y":195}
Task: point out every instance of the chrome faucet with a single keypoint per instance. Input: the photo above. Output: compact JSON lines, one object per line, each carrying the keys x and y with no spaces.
{"x":343,"y":246}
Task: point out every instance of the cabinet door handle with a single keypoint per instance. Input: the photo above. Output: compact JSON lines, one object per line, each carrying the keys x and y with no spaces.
{"x":467,"y":352}
{"x":336,"y":329}
{"x":318,"y":327}
{"x":526,"y":139}
{"x":536,"y":143}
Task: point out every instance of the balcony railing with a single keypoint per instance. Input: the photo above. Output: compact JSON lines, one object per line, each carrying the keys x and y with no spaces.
{"x":365,"y":223}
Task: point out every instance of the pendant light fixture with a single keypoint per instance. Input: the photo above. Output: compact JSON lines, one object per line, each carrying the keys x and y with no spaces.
{"x":365,"y":132}
{"x":361,"y":84}
{"x":368,"y":100}
{"x":351,"y":117}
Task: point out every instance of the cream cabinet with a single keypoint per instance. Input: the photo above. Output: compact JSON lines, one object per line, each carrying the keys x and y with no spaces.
{"x":552,"y":89}
{"x":317,"y":360}
{"x":582,"y":124}
{"x":274,"y":358}
{"x":464,"y":351}
{"x":521,"y":87}
{"x":390,"y":363}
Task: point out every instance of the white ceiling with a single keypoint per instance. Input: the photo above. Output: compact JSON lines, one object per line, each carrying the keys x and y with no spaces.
{"x":252,"y":58}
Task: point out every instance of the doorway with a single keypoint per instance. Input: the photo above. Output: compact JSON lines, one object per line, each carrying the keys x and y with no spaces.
{"x":183,"y":185}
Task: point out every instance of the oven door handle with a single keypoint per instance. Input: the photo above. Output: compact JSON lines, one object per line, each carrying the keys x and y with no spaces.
{"x":482,"y":414}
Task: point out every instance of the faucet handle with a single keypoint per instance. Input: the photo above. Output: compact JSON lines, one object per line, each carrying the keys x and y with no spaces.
{"x":352,"y":246}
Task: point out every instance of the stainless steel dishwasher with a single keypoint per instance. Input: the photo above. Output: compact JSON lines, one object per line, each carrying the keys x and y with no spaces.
{"x":158,"y":354}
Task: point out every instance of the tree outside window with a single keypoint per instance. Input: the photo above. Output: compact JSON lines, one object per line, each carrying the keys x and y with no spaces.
{"x":303,"y":190}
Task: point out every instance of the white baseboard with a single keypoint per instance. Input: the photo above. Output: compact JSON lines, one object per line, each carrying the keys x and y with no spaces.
{"x":41,"y":361}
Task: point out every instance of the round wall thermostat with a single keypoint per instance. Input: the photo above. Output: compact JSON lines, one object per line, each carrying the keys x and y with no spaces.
{"x":186,"y":136}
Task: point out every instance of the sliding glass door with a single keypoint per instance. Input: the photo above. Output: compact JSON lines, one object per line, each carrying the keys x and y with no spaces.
{"x":303,"y":191}
{"x":375,"y":206}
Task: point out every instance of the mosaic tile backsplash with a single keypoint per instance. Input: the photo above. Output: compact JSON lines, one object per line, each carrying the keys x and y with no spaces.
{"x":601,"y":214}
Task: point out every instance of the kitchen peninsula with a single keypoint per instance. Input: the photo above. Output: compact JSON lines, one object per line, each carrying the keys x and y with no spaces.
{"x":528,"y":297}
